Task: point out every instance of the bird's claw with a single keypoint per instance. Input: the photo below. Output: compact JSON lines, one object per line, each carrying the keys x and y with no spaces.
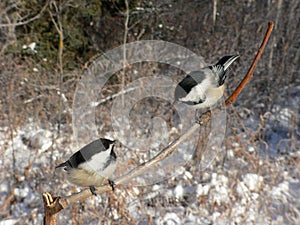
{"x":93,"y":190}
{"x":112,"y":184}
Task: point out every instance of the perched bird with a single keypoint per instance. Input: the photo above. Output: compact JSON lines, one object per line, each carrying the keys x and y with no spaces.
{"x":203,"y":88}
{"x":92,"y":164}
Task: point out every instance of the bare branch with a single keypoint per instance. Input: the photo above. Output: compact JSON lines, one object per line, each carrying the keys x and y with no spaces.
{"x":215,"y":11}
{"x":250,"y":72}
{"x":50,"y":203}
{"x":124,"y":48}
{"x":29,"y":20}
{"x":110,"y":97}
{"x":59,"y":203}
{"x":59,"y":30}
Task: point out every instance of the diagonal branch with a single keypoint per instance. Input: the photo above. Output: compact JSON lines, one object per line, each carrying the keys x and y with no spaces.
{"x":63,"y":202}
{"x":250,"y":72}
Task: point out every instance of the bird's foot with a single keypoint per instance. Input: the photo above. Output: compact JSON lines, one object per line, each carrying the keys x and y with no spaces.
{"x":201,"y":115}
{"x":112,"y":184}
{"x":197,"y":116}
{"x":93,"y":190}
{"x":198,"y":120}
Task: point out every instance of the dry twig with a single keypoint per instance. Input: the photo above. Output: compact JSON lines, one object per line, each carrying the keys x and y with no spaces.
{"x":59,"y":29}
{"x":28,"y":20}
{"x":250,"y":72}
{"x":124,"y":49}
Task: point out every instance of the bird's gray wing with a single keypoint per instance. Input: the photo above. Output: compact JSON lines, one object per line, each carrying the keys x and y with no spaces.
{"x":190,"y":81}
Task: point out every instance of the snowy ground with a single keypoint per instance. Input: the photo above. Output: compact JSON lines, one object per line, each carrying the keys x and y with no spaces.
{"x":251,"y":183}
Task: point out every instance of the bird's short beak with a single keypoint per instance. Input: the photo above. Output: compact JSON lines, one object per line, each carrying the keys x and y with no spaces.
{"x":229,"y":61}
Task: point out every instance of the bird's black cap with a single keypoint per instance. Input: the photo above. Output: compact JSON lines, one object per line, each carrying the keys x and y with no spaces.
{"x":226,"y":61}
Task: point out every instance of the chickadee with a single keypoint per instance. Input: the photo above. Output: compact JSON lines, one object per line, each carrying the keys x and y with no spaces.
{"x":92,"y":164}
{"x":205,"y":87}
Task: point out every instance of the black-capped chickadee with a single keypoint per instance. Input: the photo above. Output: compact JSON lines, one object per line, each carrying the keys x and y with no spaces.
{"x":92,"y":164}
{"x":203,"y":88}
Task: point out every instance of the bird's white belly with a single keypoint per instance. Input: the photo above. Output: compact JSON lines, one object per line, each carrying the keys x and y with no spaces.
{"x":212,"y":96}
{"x":88,"y":175}
{"x":84,"y":178}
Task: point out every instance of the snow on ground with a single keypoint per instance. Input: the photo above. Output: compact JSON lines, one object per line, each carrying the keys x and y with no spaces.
{"x":248,"y":187}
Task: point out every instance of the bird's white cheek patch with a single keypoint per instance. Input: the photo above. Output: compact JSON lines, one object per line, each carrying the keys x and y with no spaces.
{"x":96,"y":163}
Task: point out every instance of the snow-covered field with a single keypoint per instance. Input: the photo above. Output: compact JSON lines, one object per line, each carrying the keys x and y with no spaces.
{"x":248,"y":183}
